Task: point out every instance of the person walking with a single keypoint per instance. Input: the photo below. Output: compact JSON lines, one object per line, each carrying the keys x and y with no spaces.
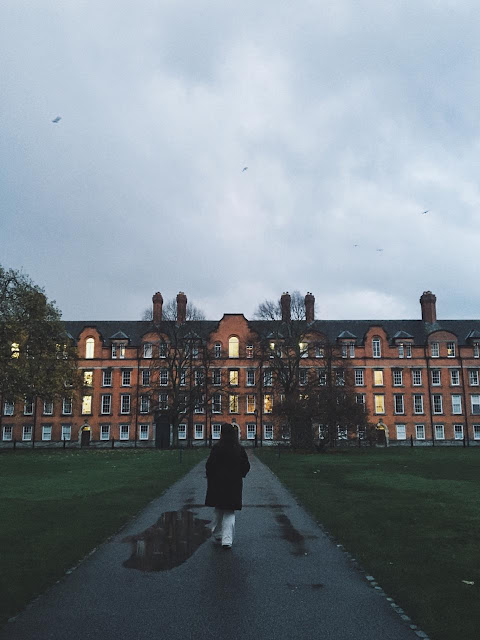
{"x":226,"y":467}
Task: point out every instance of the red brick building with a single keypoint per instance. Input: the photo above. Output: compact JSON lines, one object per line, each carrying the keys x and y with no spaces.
{"x":420,"y":378}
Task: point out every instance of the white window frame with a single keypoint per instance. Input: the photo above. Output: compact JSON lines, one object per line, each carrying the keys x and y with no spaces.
{"x":458,"y":431}
{"x":163,"y":377}
{"x":473,"y":377}
{"x":303,"y":377}
{"x":216,"y":431}
{"x":162,"y":401}
{"x":198,"y":433}
{"x":359,"y":377}
{"x":67,"y":406}
{"x":437,"y":403}
{"x":268,"y":431}
{"x":250,"y":377}
{"x":439,"y":432}
{"x":381,"y":396}
{"x":217,"y":350}
{"x":233,"y":403}
{"x":398,"y":401}
{"x":376,"y":347}
{"x":476,"y":349}
{"x":436,"y":382}
{"x":251,"y":403}
{"x":66,"y":432}
{"x":28,"y":403}
{"x":267,"y":377}
{"x":475,"y":402}
{"x":401,"y":431}
{"x":46,"y":432}
{"x":145,"y":377}
{"x":125,"y":401}
{"x":454,"y":377}
{"x":7,"y":435}
{"x":419,"y":432}
{"x":303,"y":349}
{"x":217,"y":377}
{"x":451,"y":350}
{"x":106,"y":376}
{"x":418,"y":397}
{"x":124,"y":431}
{"x":251,"y":430}
{"x":378,"y":375}
{"x":89,"y":348}
{"x":143,"y":431}
{"x":476,"y":431}
{"x":249,"y":351}
{"x":86,"y":405}
{"x":147,"y":350}
{"x":217,"y":403}
{"x":397,"y":375}
{"x":48,"y":408}
{"x":200,"y":404}
{"x":233,"y":347}
{"x":27,"y":432}
{"x":104,"y":432}
{"x":126,"y":378}
{"x":416,"y":377}
{"x":434,"y":349}
{"x":401,"y":351}
{"x":106,"y":406}
{"x":144,"y":403}
{"x":457,"y":404}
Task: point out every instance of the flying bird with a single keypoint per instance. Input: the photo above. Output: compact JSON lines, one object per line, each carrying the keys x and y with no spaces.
{"x":57,"y":119}
{"x":379,"y":249}
{"x":244,"y":169}
{"x":423,"y":212}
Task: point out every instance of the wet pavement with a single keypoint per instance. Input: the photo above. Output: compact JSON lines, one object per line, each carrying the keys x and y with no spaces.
{"x":162,"y":577}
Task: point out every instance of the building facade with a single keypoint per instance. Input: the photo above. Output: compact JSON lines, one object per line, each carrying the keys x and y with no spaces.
{"x":418,"y":378}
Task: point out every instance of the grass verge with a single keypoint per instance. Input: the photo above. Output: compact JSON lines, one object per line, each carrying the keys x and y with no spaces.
{"x":58,"y":505}
{"x":411,"y":517}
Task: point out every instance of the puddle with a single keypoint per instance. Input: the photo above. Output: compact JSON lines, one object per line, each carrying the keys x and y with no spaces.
{"x":291,"y":534}
{"x":168,"y":543}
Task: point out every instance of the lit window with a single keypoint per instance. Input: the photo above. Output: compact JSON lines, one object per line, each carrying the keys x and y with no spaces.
{"x":217,"y":350}
{"x":250,"y":403}
{"x":233,"y":403}
{"x":378,"y":377}
{"x":124,"y":429}
{"x":144,"y":432}
{"x":434,"y":349}
{"x":233,"y":377}
{"x":87,"y":378}
{"x":450,"y":349}
{"x":90,"y":348}
{"x":15,"y":350}
{"x":233,"y":347}
{"x":456,"y":404}
{"x":268,"y":403}
{"x":303,"y":348}
{"x":106,"y":404}
{"x":379,"y":403}
{"x":86,"y":405}
{"x":121,"y":351}
{"x":439,"y":432}
{"x":107,"y":378}
{"x":376,"y":348}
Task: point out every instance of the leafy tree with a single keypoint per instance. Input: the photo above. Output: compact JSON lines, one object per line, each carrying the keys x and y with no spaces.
{"x":37,"y":357}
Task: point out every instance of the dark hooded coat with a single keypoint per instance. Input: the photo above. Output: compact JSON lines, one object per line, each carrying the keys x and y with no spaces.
{"x":226,"y":466}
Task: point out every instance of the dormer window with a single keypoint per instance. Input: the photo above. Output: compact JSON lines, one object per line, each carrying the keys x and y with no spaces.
{"x":147,"y":350}
{"x":476,"y":349}
{"x":450,"y":349}
{"x":233,"y":347}
{"x":90,"y":348}
{"x":376,"y":348}
{"x":118,"y":350}
{"x":303,"y":346}
{"x":434,"y":349}
{"x":348,"y":349}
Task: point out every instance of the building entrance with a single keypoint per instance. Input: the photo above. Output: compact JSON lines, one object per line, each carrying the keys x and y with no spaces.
{"x":85,"y":438}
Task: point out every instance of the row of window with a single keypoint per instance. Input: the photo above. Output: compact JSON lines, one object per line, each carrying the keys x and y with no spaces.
{"x":416,"y":377}
{"x":439,"y":430}
{"x":124,"y":432}
{"x":348,"y":349}
{"x":418,"y":403}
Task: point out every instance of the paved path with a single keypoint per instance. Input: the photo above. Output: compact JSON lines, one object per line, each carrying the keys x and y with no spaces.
{"x":283,"y":578}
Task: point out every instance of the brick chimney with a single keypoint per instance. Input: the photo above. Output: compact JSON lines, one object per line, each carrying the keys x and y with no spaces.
{"x":310,"y":307}
{"x":429,"y":311}
{"x":157,"y":307}
{"x":285,"y":302}
{"x":181,"y":307}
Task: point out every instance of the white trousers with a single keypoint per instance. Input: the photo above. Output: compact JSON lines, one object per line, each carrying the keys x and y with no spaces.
{"x":224,"y":525}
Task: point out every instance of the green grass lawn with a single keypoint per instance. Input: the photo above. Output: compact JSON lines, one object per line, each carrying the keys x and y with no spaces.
{"x":56,"y":506}
{"x":411,"y":517}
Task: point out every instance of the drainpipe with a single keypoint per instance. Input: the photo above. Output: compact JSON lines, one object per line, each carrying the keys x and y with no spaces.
{"x":136,"y":399}
{"x":464,"y":396}
{"x":427,"y":359}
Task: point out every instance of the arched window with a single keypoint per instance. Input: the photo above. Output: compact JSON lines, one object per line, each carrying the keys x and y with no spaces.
{"x":233,"y":350}
{"x":90,"y":348}
{"x":376,"y":348}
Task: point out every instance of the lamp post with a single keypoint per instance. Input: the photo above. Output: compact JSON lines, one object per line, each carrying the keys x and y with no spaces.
{"x":255,"y":413}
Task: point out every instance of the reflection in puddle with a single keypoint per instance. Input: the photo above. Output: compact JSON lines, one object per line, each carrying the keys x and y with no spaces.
{"x":291,"y":534}
{"x":172,"y":540}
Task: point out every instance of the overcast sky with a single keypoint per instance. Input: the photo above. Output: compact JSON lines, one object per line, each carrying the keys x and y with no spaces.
{"x":352,"y":116}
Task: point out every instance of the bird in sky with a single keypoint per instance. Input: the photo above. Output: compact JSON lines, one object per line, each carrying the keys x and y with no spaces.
{"x":244,"y":169}
{"x":355,"y":245}
{"x":379,"y":249}
{"x":57,"y":119}
{"x":423,"y":212}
